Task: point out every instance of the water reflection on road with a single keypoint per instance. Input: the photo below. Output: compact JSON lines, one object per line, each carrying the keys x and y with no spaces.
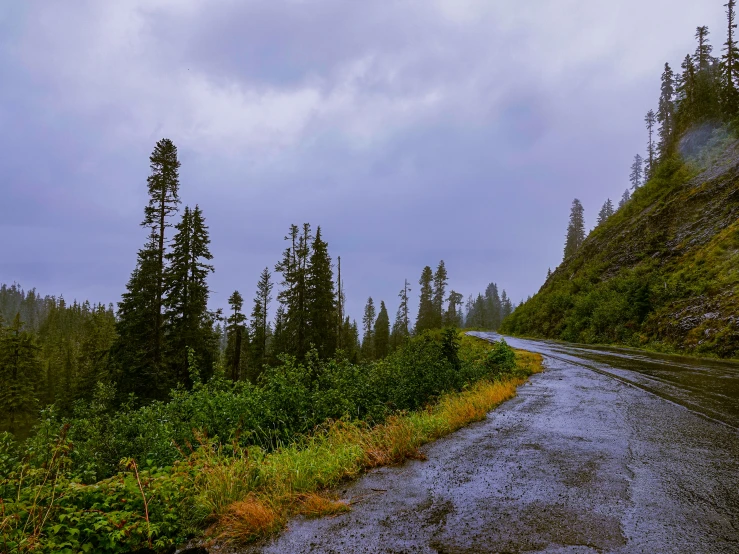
{"x":706,"y":386}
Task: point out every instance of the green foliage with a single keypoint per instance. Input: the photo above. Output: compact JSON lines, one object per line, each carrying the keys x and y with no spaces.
{"x":501,"y":358}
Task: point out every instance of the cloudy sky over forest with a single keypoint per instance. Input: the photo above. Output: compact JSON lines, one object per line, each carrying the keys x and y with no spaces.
{"x":410,"y":130}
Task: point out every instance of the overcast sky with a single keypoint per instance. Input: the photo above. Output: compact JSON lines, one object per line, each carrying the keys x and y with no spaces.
{"x":410,"y":131}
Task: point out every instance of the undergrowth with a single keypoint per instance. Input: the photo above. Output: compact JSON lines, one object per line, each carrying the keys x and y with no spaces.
{"x":330,"y":421}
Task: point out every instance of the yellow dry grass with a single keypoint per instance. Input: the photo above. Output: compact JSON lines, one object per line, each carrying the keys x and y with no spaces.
{"x":293,"y":480}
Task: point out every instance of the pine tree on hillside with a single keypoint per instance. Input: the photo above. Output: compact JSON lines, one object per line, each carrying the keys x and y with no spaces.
{"x":636,"y":172}
{"x":20,"y":371}
{"x":164,"y":184}
{"x":702,"y":56}
{"x":624,"y":199}
{"x":382,"y":333}
{"x":686,"y":94}
{"x":188,"y":323}
{"x":650,"y":120}
{"x":426,"y":315}
{"x":730,"y":65}
{"x":575,"y":229}
{"x":236,"y":333}
{"x":368,"y":322}
{"x":260,"y":327}
{"x":439,"y":287}
{"x":321,"y":299}
{"x":605,"y":212}
{"x":401,"y":326}
{"x":666,"y":112}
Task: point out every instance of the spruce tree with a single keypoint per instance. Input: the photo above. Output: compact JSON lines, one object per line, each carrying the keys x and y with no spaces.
{"x":636,"y":172}
{"x":506,"y":305}
{"x":293,"y":296}
{"x":20,"y":371}
{"x":426,"y":318}
{"x":189,"y":324}
{"x":666,"y":112}
{"x":401,"y":326}
{"x":137,"y":369}
{"x":452,"y":317}
{"x":382,"y":333}
{"x":368,"y":322}
{"x":493,"y":306}
{"x":730,"y":64}
{"x":624,"y":199}
{"x":164,"y":184}
{"x":321,"y":299}
{"x":702,"y":56}
{"x":605,"y":212}
{"x":260,"y":327}
{"x":686,"y":94}
{"x":236,"y":331}
{"x":650,"y":120}
{"x":439,"y":288}
{"x":575,"y":229}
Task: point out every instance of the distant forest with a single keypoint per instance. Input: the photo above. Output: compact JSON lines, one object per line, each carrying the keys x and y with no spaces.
{"x":162,"y":335}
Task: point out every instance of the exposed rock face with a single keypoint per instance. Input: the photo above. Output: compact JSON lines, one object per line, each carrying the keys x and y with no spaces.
{"x":679,"y":238}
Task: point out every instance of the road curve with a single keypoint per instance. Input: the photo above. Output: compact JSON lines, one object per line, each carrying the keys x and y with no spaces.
{"x":606,"y":451}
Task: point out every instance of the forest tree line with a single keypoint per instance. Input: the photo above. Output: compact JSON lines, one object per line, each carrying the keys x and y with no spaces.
{"x":163,"y":335}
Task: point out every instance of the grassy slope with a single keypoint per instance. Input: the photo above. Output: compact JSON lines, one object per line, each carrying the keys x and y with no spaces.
{"x":663,"y":272}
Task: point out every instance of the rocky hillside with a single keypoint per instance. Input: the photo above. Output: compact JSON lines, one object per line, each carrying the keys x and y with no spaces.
{"x":663,"y":272}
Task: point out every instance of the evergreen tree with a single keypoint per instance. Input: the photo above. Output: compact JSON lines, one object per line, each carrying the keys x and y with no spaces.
{"x":730,"y":64}
{"x":19,"y":373}
{"x":605,"y":212}
{"x":236,"y":333}
{"x":294,"y":295}
{"x":164,"y":184}
{"x":401,"y":326}
{"x":382,"y":333}
{"x":368,"y":321}
{"x":575,"y":229}
{"x":506,"y":305}
{"x":624,"y":199}
{"x":189,"y":324}
{"x":439,"y":288}
{"x":686,"y":94}
{"x":321,"y":299}
{"x":453,"y":315}
{"x":135,"y":349}
{"x":636,"y":172}
{"x":650,"y":120}
{"x":426,"y":318}
{"x":702,"y":56}
{"x":493,"y":307}
{"x":665,"y":112}
{"x":260,"y":327}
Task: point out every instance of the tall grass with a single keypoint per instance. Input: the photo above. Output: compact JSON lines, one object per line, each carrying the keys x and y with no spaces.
{"x":254,"y":494}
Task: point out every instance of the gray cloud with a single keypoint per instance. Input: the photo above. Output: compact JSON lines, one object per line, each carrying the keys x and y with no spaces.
{"x":411,"y":131}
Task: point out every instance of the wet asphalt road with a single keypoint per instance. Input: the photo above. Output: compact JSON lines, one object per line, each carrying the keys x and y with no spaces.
{"x":606,"y":451}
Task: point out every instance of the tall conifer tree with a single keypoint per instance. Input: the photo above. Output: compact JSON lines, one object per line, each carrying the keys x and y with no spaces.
{"x":650,"y":119}
{"x":236,"y":333}
{"x":368,"y":322}
{"x":636,"y":172}
{"x":426,"y":318}
{"x":382,"y":332}
{"x":575,"y":230}
{"x":164,"y":184}
{"x":605,"y":212}
{"x":440,"y":282}
{"x":260,"y":327}
{"x":730,"y":64}
{"x":189,"y":324}
{"x":321,"y":299}
{"x":666,"y":112}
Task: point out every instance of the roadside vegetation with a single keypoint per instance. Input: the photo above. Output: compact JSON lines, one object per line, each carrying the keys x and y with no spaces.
{"x":659,"y":272}
{"x":232,"y":461}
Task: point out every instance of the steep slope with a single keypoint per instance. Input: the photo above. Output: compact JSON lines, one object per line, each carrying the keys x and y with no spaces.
{"x":663,"y":271}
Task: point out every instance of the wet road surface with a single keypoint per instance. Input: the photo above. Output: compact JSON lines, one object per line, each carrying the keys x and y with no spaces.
{"x":606,"y":451}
